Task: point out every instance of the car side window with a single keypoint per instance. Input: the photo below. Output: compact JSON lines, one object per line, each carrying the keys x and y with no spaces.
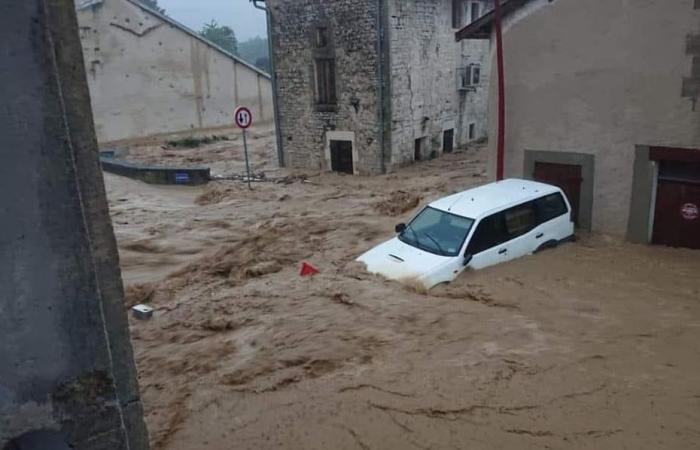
{"x":520,"y":220}
{"x":489,"y":233}
{"x":550,"y":207}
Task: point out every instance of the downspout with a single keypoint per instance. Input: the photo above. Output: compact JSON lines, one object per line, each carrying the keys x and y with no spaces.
{"x":273,"y":77}
{"x":381,"y":43}
{"x":500,"y":150}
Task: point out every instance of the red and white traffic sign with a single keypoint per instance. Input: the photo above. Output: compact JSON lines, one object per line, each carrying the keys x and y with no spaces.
{"x":690,"y":211}
{"x":243,"y":116}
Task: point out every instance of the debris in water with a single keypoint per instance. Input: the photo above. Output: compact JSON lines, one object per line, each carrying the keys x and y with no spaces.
{"x":142,"y":312}
{"x":307,"y":269}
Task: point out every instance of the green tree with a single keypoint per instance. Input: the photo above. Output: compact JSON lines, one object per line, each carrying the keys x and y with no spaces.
{"x":263,"y":63}
{"x":153,"y":4}
{"x":253,"y":49}
{"x":222,"y":36}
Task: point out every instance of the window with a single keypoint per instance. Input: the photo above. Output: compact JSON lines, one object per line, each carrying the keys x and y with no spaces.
{"x":502,"y":227}
{"x":475,"y":11}
{"x":419,"y":148}
{"x":321,"y":37}
{"x":457,"y":13}
{"x":324,"y":60}
{"x":472,"y":131}
{"x":520,"y":220}
{"x":437,"y":232}
{"x":465,"y":12}
{"x":550,"y":207}
{"x":490,"y":233}
{"x":469,"y":77}
{"x":325,"y":81}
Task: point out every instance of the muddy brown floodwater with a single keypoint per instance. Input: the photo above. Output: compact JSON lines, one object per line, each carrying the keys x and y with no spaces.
{"x":593,"y":345}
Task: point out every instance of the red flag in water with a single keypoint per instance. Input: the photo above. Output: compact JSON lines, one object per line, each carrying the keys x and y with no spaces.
{"x":307,"y":269}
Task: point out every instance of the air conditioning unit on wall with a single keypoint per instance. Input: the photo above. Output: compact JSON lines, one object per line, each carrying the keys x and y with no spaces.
{"x":469,"y":77}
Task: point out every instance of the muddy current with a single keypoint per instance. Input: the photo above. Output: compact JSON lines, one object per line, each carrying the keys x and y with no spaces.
{"x":595,"y":344}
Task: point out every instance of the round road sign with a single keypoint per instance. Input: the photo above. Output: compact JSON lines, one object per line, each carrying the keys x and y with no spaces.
{"x":690,"y":211}
{"x":244,"y":118}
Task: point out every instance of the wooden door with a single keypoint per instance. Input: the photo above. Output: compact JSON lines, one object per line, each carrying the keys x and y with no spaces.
{"x":565,"y":176}
{"x":448,"y":141}
{"x":677,"y":214}
{"x":341,"y":157}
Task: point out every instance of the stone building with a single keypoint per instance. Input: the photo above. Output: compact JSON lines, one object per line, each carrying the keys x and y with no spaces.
{"x":601,"y":99}
{"x":150,"y":75}
{"x":365,"y":86}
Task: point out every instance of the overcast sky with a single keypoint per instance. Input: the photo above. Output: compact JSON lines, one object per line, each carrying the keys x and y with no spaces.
{"x":240,"y":15}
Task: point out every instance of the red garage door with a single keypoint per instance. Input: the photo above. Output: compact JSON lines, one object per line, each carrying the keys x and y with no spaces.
{"x":565,"y":176}
{"x":677,"y":213}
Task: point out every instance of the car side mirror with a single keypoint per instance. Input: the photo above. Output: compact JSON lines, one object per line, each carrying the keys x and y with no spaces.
{"x":467,"y":260}
{"x":400,"y":228}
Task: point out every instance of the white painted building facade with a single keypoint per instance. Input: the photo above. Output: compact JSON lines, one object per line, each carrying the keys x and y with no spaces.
{"x":149,"y":75}
{"x":602,"y":100}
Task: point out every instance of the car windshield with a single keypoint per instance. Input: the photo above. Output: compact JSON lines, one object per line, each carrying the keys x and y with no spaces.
{"x":437,"y":231}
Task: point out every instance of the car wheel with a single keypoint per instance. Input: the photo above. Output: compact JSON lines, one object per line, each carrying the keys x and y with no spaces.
{"x":547,"y":245}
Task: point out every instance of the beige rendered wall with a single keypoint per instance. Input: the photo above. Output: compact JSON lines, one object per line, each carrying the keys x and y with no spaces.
{"x":598,"y":76}
{"x":149,"y":77}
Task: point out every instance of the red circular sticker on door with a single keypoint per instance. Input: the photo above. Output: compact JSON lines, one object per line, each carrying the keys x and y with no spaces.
{"x":690,"y":211}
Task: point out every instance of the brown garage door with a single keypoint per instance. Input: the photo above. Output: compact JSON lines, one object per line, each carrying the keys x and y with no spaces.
{"x":565,"y":176}
{"x":677,"y":215}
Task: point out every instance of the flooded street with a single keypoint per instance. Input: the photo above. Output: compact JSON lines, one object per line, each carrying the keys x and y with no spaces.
{"x":595,"y":344}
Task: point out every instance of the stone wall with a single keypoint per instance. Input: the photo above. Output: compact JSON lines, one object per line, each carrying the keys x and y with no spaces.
{"x":424,"y":82}
{"x":354,"y":36}
{"x":601,"y":77}
{"x":396,"y":72}
{"x":148,"y":76}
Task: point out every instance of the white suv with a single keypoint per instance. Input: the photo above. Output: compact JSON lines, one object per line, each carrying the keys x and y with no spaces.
{"x":476,"y":228}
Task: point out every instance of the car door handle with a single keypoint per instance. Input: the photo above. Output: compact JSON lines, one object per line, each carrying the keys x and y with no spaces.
{"x":503,"y":251}
{"x":539,"y":236}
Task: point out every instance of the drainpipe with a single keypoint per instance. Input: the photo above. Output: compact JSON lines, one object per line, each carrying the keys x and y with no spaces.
{"x":380,"y":76}
{"x":273,"y":76}
{"x":501,"y":93}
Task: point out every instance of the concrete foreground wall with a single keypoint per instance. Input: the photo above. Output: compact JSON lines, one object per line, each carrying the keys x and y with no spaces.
{"x":66,"y":363}
{"x":148,"y":76}
{"x":601,"y":77}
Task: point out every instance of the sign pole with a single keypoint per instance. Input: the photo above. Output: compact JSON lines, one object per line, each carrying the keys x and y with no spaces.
{"x":244,"y":119}
{"x":247,"y":164}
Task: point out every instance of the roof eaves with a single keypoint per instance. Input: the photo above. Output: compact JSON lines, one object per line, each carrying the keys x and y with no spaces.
{"x":196,"y":35}
{"x":481,"y":28}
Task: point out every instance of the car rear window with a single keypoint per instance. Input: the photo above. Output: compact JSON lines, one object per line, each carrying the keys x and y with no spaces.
{"x":550,"y":207}
{"x":520,"y":220}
